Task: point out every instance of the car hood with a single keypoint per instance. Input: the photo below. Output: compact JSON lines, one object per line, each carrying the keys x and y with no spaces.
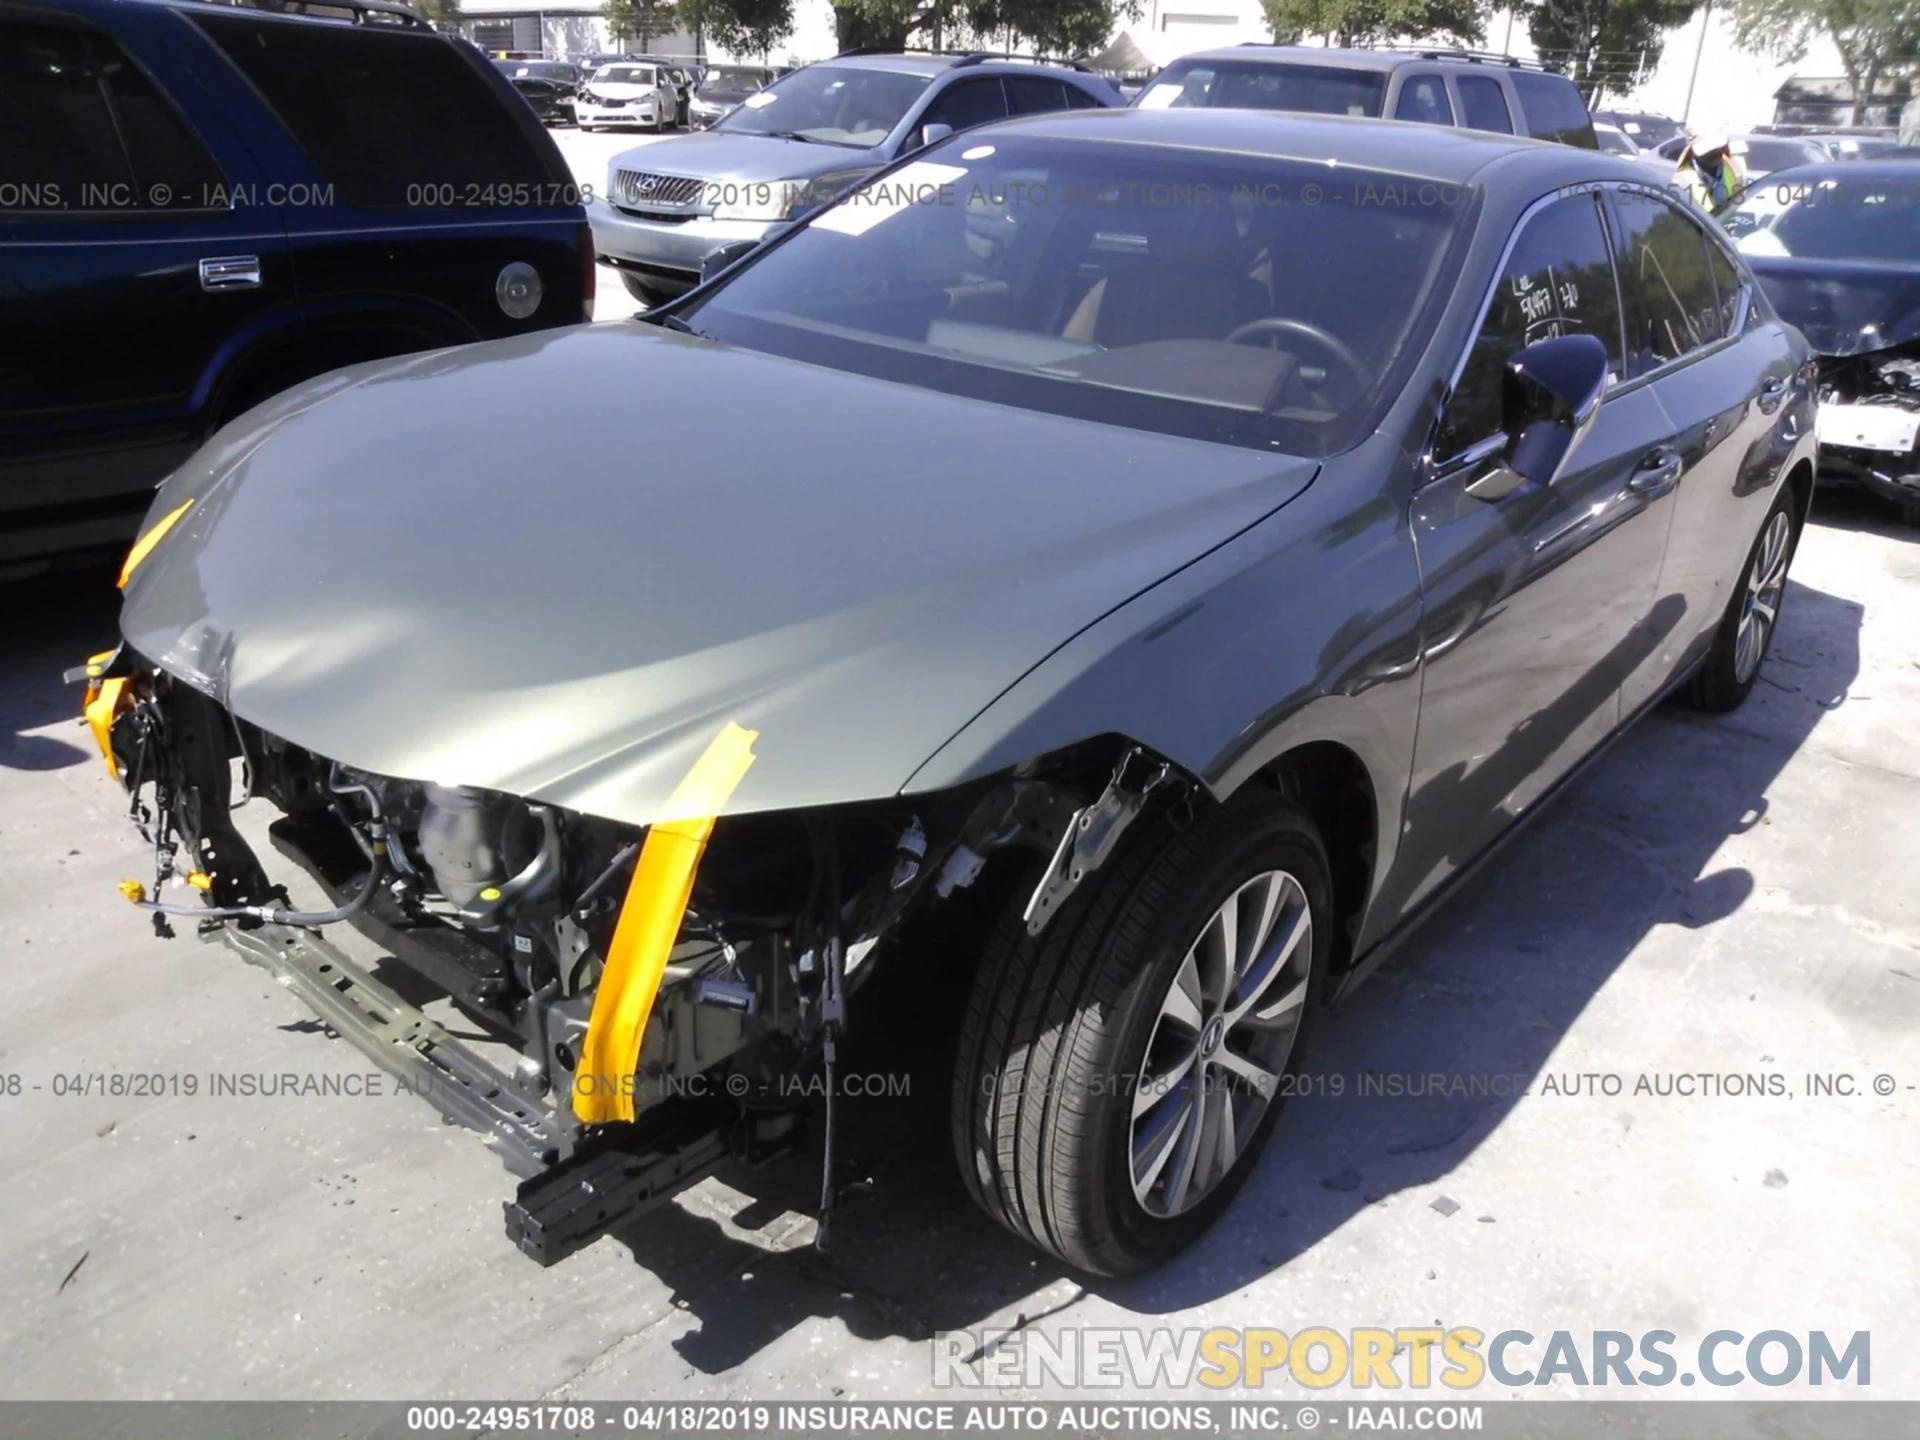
{"x":557,"y":565}
{"x":717,"y":155}
{"x":1843,"y":307}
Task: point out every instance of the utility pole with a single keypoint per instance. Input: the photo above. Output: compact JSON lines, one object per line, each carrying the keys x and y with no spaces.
{"x":1506,"y":45}
{"x":1706,"y":19}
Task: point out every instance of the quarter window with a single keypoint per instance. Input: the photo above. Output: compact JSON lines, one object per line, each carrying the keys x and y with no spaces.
{"x":1558,"y":281}
{"x":1423,"y":98}
{"x":1727,"y":285}
{"x":1485,"y":104}
{"x":1672,"y":307}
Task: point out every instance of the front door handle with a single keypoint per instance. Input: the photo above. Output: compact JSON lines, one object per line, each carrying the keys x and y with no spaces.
{"x":1657,"y":474}
{"x":230,"y":272}
{"x":1771,"y":394}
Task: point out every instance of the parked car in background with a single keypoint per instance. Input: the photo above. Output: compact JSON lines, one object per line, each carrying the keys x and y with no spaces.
{"x":1121,"y":622}
{"x":549,"y":86}
{"x":1643,"y":127}
{"x":1764,"y":154}
{"x":1837,"y":247}
{"x":1467,"y":88}
{"x":721,"y":89}
{"x":627,"y":92}
{"x":1612,"y":140}
{"x":798,"y":143}
{"x":209,"y":203}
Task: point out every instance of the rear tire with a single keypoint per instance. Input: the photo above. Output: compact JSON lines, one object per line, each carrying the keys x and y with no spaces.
{"x":1097,"y":1113}
{"x":646,"y":294}
{"x":1732,"y":667}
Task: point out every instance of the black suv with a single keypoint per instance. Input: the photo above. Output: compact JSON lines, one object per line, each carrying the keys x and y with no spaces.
{"x":201,"y":204}
{"x":1472,"y":89}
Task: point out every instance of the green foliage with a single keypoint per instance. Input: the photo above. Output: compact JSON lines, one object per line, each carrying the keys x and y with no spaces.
{"x":639,"y":19}
{"x":1360,"y":22}
{"x":1875,"y":38}
{"x":740,"y":27}
{"x":1604,"y":44}
{"x":440,"y":13}
{"x":1049,"y":27}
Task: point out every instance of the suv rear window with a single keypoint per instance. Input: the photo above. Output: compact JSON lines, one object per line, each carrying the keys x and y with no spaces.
{"x":1553,"y":109}
{"x":1237,"y":85}
{"x":384,"y":114}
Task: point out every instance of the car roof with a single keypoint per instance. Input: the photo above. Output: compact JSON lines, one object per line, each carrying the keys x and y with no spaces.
{"x":1894,"y":170}
{"x":930,"y":64}
{"x":1442,"y":153}
{"x":1381,"y":61}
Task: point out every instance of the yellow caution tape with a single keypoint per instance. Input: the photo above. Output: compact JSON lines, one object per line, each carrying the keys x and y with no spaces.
{"x":144,"y":545}
{"x":648,"y":926}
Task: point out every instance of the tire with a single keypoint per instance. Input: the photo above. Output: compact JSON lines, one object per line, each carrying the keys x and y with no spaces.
{"x":1732,"y":667}
{"x":638,"y":288}
{"x":1059,"y":1032}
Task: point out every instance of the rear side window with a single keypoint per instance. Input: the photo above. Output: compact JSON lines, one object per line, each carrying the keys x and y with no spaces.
{"x":1553,"y":109}
{"x":1423,"y":98}
{"x":385,"y":116}
{"x":1312,"y":89}
{"x":86,"y":130}
{"x":1558,"y":280}
{"x":1727,"y":285}
{"x":1078,"y":99}
{"x":1484,"y":103}
{"x":1032,"y":94}
{"x":1672,"y":307}
{"x":970,"y":103}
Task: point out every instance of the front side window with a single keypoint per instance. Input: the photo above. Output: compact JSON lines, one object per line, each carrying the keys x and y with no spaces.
{"x":1163,"y":289}
{"x":1423,"y":98}
{"x":88,"y":132}
{"x":1485,"y":104}
{"x":830,"y":105}
{"x":1672,"y":307}
{"x":1236,"y":85}
{"x":1553,"y":109}
{"x":1558,"y":280}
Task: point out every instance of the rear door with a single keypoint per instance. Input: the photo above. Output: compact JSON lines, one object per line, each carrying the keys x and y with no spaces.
{"x":415,"y":177}
{"x":1538,"y":604}
{"x":132,"y":261}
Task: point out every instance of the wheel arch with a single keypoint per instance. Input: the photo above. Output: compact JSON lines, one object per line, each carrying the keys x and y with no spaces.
{"x":1333,"y":785}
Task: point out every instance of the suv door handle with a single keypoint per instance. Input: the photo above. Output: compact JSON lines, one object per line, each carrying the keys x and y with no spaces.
{"x":1771,"y":394}
{"x":230,"y":272}
{"x":1656,"y":474}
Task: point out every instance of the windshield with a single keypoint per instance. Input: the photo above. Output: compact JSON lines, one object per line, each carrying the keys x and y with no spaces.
{"x":1253,"y":301}
{"x":733,"y":82}
{"x":524,"y":70}
{"x":1832,"y":220}
{"x":625,"y":75}
{"x":1319,"y":89}
{"x":837,"y":104}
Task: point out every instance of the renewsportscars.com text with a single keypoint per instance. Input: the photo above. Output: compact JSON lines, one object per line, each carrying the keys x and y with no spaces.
{"x":1414,"y":1357}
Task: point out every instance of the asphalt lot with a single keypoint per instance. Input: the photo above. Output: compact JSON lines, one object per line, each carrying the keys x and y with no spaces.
{"x":587,"y":156}
{"x":1730,"y":897}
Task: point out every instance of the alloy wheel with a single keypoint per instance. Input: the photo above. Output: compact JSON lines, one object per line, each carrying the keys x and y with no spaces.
{"x":1220,"y":1044}
{"x":1760,"y":607}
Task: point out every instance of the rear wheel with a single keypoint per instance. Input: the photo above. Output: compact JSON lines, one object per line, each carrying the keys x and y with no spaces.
{"x":1117,"y":1076}
{"x":639,"y":289}
{"x":1727,"y":676}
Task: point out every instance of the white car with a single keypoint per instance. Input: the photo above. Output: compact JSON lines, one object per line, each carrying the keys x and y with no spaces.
{"x":1616,"y":141}
{"x":625,"y":93}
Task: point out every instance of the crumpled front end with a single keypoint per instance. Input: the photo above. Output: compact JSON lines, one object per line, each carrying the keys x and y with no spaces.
{"x":1869,"y":422}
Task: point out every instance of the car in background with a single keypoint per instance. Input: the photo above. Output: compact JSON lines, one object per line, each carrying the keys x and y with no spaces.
{"x":809,"y":136}
{"x":548,"y":86}
{"x":627,"y":92}
{"x":209,"y":203}
{"x":1837,"y":247}
{"x":1615,"y":141}
{"x":1117,"y":622}
{"x":721,"y":89}
{"x":1646,"y":129}
{"x":1465,"y":88}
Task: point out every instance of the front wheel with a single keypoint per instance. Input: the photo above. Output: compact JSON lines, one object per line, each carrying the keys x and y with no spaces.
{"x":1117,"y":1076}
{"x":1728,"y":674}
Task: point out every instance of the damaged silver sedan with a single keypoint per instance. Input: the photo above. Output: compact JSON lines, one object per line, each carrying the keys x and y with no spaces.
{"x":1152,"y":556}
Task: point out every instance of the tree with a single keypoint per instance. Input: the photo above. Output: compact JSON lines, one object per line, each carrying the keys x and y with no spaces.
{"x":1876,"y":39}
{"x":441,"y":14}
{"x":740,"y":27}
{"x":1604,"y":44}
{"x":638,"y":19}
{"x":1361,"y":22}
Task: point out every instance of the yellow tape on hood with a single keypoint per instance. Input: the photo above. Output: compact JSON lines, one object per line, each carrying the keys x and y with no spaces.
{"x":648,"y":926}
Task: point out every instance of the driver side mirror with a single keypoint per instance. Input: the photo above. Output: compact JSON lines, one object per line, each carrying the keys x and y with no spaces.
{"x":933,"y":134}
{"x":1551,"y":397}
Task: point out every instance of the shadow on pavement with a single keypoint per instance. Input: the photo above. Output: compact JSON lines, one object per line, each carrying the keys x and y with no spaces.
{"x":54,"y":621}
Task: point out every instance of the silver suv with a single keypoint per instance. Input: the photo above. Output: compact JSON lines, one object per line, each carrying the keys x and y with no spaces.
{"x":799,"y":143}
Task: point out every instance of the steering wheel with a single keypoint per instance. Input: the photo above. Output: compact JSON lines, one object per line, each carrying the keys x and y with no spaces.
{"x":1280,"y":325}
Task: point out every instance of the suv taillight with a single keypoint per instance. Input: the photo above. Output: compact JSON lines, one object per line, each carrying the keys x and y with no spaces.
{"x":588,"y":276}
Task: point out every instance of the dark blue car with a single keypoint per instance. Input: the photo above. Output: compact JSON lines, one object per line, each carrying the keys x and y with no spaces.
{"x":202,"y":204}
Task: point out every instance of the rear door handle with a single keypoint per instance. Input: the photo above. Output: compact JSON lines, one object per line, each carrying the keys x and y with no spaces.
{"x":1771,"y":394}
{"x":1656,"y":474}
{"x":230,"y":272}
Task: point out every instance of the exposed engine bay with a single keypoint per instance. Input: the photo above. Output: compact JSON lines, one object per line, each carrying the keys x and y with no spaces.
{"x":669,"y":989}
{"x":1869,"y":423}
